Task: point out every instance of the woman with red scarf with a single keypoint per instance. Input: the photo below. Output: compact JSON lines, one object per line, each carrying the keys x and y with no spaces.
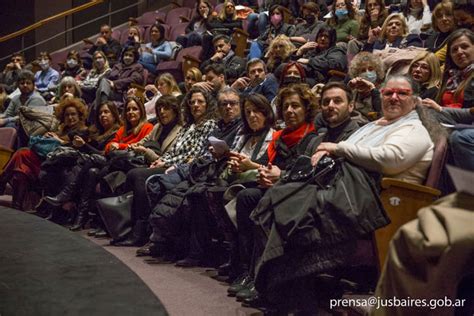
{"x":296,"y":106}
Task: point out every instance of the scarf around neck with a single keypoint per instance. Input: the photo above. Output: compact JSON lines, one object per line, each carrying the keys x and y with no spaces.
{"x":456,"y":76}
{"x":289,"y":138}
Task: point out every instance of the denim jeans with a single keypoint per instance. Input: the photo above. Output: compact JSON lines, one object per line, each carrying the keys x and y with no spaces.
{"x":462,"y":144}
{"x":257,"y":22}
{"x":256,"y":50}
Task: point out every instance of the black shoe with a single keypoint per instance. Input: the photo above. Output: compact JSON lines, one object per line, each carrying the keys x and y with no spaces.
{"x":53,"y":200}
{"x":255,"y":301}
{"x":239,"y":284}
{"x":101,"y":234}
{"x":92,"y":232}
{"x":147,"y":250}
{"x":188,"y":263}
{"x":247,"y":292}
{"x":128,"y":242}
{"x":224,"y":269}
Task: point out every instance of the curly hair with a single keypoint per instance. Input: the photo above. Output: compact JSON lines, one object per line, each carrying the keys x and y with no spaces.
{"x":392,"y":16}
{"x":211,"y":106}
{"x":306,"y":95}
{"x":60,"y":109}
{"x":367,"y":58}
{"x":288,"y":49}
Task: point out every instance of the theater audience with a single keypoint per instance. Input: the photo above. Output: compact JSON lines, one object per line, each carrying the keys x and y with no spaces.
{"x":394,"y":33}
{"x":157,"y":50}
{"x":276,"y":27}
{"x":224,"y":55}
{"x":76,"y":188}
{"x":100,"y":69}
{"x":24,"y":166}
{"x":418,"y":15}
{"x":73,"y":66}
{"x":107,"y":44}
{"x":28,"y":97}
{"x":457,"y":86}
{"x":366,"y":73}
{"x":344,"y":21}
{"x":306,"y":30}
{"x":323,"y":55}
{"x":9,"y":75}
{"x":68,"y":88}
{"x":279,"y":52}
{"x":198,"y":25}
{"x":258,"y":80}
{"x":215,"y":79}
{"x":47,"y":79}
{"x":425,"y":70}
{"x":193,"y":75}
{"x":443,"y":25}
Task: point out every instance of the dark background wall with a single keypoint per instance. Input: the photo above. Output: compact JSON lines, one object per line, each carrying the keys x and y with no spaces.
{"x":15,"y":15}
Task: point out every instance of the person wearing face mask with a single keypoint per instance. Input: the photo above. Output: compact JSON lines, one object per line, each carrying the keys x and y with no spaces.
{"x":292,"y":73}
{"x":344,"y":21}
{"x":100,"y":68}
{"x":367,"y":73}
{"x":308,"y":29}
{"x":73,"y":66}
{"x":47,"y":79}
{"x":275,"y":28}
{"x":117,"y":82}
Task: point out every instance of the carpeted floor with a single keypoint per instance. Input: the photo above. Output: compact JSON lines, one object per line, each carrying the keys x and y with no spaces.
{"x":47,"y":270}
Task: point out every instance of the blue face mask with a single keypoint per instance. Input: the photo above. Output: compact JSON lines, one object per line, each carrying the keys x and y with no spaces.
{"x":341,"y":13}
{"x":369,"y":76}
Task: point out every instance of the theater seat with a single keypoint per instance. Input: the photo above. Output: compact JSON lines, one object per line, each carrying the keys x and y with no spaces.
{"x":8,"y":138}
{"x":187,"y":58}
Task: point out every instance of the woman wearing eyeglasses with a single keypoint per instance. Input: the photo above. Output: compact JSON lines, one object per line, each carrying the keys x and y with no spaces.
{"x":425,"y":70}
{"x":396,"y":145}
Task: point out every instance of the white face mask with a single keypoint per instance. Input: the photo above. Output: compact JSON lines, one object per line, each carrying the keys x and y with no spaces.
{"x":71,"y":63}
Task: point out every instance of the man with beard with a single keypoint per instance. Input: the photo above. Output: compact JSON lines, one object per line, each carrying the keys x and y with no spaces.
{"x":334,"y":123}
{"x":224,"y":55}
{"x":27,"y":97}
{"x":214,"y":79}
{"x":258,"y":80}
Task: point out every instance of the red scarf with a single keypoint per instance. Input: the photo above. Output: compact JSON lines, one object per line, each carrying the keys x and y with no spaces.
{"x":289,"y":138}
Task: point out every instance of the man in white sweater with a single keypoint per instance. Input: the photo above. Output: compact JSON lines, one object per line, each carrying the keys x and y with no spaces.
{"x":397,"y":145}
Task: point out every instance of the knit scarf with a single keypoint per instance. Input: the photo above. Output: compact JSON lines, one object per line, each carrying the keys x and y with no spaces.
{"x":288,"y":137}
{"x":456,"y":76}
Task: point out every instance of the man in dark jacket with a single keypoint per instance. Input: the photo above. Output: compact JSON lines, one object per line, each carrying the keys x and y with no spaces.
{"x":107,"y":44}
{"x":224,"y":55}
{"x":258,"y":80}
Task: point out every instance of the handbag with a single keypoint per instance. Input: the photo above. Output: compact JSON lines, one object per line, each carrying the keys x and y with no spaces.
{"x":116,"y":214}
{"x":43,"y":145}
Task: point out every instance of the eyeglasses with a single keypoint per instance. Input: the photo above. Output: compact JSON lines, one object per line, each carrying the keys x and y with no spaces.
{"x":198,"y":102}
{"x":228,"y":102}
{"x":401,"y":93}
{"x":421,"y":66}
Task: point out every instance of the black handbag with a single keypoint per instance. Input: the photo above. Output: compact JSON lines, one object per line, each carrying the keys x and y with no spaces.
{"x":116,"y":214}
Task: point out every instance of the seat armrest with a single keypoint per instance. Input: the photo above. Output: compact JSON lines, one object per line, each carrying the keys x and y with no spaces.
{"x":391,"y":182}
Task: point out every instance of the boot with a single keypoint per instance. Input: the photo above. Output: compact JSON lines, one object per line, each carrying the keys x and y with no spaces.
{"x":19,"y":183}
{"x":85,"y":201}
{"x":139,"y":236}
{"x":66,"y":194}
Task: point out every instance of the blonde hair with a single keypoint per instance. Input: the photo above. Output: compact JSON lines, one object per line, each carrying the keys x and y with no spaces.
{"x":223,"y":15}
{"x":289,"y":48}
{"x":435,"y":71}
{"x":392,"y":16}
{"x":197,"y":74}
{"x":171,"y":82}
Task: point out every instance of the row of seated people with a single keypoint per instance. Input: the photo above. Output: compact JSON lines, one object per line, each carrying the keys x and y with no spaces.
{"x":378,"y":147}
{"x":376,"y":31}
